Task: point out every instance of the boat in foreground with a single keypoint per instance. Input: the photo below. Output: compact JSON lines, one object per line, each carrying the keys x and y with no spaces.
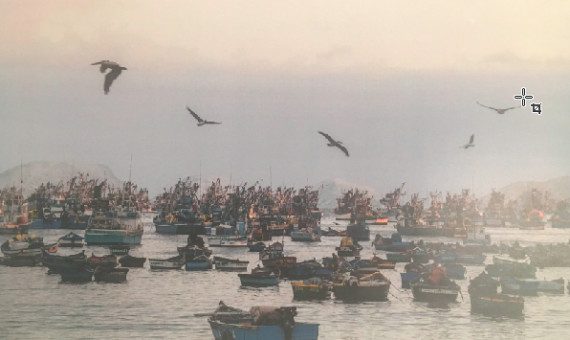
{"x":261,"y":322}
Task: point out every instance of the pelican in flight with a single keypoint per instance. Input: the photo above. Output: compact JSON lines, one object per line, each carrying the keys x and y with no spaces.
{"x":470,"y":144}
{"x":200,"y":120}
{"x":116,"y":70}
{"x":336,"y":143}
{"x":499,"y":111}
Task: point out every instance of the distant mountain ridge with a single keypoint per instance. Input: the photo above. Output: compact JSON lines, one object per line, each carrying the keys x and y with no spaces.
{"x":559,"y":188}
{"x":33,"y":174}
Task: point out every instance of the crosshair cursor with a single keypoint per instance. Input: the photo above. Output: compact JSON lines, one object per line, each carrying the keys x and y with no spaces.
{"x":523,"y":97}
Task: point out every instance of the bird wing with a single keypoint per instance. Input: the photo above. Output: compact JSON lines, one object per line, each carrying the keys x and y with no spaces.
{"x":471,"y":139}
{"x":342,"y":148}
{"x":489,"y":107}
{"x":510,"y":108}
{"x":329,"y":138}
{"x":194,"y":114}
{"x":209,"y":122}
{"x":110,"y":77}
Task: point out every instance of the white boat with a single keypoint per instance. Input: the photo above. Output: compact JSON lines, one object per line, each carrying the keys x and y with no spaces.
{"x":225,"y":264}
{"x":227,"y":241}
{"x":171,"y":263}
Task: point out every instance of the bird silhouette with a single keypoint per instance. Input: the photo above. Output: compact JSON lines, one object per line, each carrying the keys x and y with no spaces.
{"x":335,"y":143}
{"x":200,"y":120}
{"x":470,"y":144}
{"x":116,"y":70}
{"x":499,"y":111}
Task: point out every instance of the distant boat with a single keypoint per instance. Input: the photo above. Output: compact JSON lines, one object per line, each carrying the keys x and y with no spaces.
{"x":313,"y":288}
{"x":111,"y":275}
{"x":370,"y":287}
{"x":103,"y":229}
{"x":132,"y":261}
{"x":225,"y":264}
{"x":175,"y":262}
{"x":261,"y":277}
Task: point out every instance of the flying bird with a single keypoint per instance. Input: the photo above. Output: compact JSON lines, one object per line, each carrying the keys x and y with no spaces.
{"x":200,"y":120}
{"x":470,"y":144}
{"x":499,"y":111}
{"x":116,"y":70}
{"x":336,"y":143}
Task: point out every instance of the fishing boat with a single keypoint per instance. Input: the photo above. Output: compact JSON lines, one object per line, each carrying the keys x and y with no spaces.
{"x":435,"y":287}
{"x":23,"y":245}
{"x":275,"y":323}
{"x":230,"y":241}
{"x":358,"y":232}
{"x":273,"y":257}
{"x":70,"y":240}
{"x":313,"y":288}
{"x":255,"y":246}
{"x":259,"y":277}
{"x":111,"y":275}
{"x":175,"y":262}
{"x":552,"y":286}
{"x":102,"y":261}
{"x":132,"y":261}
{"x":305,"y":235}
{"x":119,"y":249}
{"x":485,"y":299}
{"x":200,"y":262}
{"x":348,"y":248}
{"x":21,"y":260}
{"x":59,"y":263}
{"x":392,"y":244}
{"x":399,"y":257}
{"x":511,"y":285}
{"x":370,"y":287}
{"x":109,"y":227}
{"x":77,"y":275}
{"x":225,"y":264}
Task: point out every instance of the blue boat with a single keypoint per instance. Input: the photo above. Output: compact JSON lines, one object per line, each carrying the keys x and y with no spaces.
{"x":455,"y":270}
{"x":408,"y":277}
{"x":201,"y":262}
{"x":259,"y":277}
{"x":255,"y":246}
{"x":106,"y":229}
{"x":260,"y":323}
{"x":511,"y":285}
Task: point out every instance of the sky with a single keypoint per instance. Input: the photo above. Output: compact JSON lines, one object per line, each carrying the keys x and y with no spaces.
{"x":396,"y":81}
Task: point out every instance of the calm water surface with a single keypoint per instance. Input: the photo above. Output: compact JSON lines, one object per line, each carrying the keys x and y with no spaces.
{"x":162,"y":304}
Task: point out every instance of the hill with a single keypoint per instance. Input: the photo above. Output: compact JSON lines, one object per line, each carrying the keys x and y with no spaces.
{"x":33,"y":174}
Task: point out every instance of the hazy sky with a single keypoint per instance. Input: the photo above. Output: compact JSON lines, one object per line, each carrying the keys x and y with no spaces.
{"x":396,"y":81}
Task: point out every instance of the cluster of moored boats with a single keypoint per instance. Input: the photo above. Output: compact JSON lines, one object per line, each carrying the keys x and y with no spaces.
{"x":248,"y":218}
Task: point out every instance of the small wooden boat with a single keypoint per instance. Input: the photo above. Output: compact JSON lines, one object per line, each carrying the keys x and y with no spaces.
{"x":552,"y":286}
{"x":71,"y":240}
{"x":102,"y":261}
{"x":273,"y":257}
{"x":348,"y":248}
{"x":175,"y":262}
{"x":119,"y":249}
{"x":22,"y":244}
{"x":511,"y":285}
{"x":314,"y":288}
{"x":77,"y":275}
{"x":112,"y":275}
{"x":255,"y":246}
{"x":201,"y":262}
{"x":230,"y":241}
{"x":371,"y":287}
{"x":21,"y":260}
{"x":424,"y":290}
{"x":59,"y":263}
{"x":393,"y":243}
{"x":485,"y":299}
{"x":259,"y":277}
{"x":132,"y":261}
{"x":358,"y":232}
{"x":305,"y":235}
{"x":399,"y":257}
{"x":225,"y":264}
{"x":517,"y":270}
{"x":260,"y":323}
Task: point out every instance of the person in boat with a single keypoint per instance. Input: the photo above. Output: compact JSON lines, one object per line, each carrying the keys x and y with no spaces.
{"x":438,"y":276}
{"x":195,"y":240}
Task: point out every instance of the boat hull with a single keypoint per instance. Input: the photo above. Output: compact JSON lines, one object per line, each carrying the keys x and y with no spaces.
{"x":105,"y":237}
{"x":361,"y":292}
{"x":497,"y":305}
{"x":252,"y":280}
{"x":244,"y":331}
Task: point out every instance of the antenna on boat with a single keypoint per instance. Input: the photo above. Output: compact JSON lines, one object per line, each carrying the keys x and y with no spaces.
{"x":270,"y":177}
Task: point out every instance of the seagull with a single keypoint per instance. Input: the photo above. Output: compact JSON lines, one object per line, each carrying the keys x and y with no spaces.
{"x":470,"y":144}
{"x":200,"y":120}
{"x":333,"y":142}
{"x":116,"y":70}
{"x":499,"y":111}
